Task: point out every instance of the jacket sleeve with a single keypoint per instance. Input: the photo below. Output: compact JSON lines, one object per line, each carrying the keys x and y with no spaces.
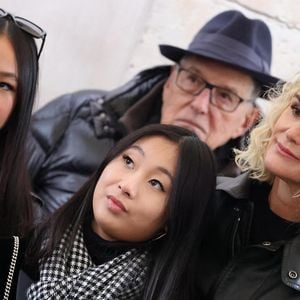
{"x":49,"y":125}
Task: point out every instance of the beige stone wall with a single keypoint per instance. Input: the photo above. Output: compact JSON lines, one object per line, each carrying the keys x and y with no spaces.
{"x":102,"y":43}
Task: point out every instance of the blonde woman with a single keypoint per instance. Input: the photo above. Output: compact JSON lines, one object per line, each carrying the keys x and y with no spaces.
{"x":253,"y":249}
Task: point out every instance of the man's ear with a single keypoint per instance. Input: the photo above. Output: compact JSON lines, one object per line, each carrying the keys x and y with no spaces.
{"x":170,"y":78}
{"x":167,"y":85}
{"x":251,"y":118}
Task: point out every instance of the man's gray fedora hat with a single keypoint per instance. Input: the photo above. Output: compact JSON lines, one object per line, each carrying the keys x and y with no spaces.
{"x":232,"y":38}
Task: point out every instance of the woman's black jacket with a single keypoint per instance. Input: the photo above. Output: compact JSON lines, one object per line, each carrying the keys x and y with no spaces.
{"x":230,"y":267}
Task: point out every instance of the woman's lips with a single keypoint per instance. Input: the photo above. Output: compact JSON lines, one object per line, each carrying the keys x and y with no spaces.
{"x":286,"y":152}
{"x":115,"y":205}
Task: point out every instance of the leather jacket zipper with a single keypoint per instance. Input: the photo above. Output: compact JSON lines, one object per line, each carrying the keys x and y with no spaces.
{"x":236,"y":224}
{"x":235,"y":229}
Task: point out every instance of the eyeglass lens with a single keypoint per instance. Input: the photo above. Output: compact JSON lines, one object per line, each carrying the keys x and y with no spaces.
{"x":193,"y":84}
{"x":29,"y":27}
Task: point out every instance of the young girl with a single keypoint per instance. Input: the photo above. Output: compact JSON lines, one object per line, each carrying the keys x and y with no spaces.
{"x":134,"y":227}
{"x":18,"y":78}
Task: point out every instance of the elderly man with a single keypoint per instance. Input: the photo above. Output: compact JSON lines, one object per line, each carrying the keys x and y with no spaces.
{"x":211,"y":90}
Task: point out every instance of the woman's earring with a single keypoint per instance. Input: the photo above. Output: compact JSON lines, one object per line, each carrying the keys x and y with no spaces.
{"x":160,"y":235}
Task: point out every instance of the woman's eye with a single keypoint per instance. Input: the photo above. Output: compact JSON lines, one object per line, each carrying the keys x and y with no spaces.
{"x":296,"y":110}
{"x":157,"y":184}
{"x":6,"y":86}
{"x":128,"y":161}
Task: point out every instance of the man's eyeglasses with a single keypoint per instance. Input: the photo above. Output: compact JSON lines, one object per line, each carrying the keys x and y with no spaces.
{"x":34,"y":30}
{"x":193,"y":84}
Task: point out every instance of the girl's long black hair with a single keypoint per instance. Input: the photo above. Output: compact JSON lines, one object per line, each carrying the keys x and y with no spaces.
{"x":16,"y":215}
{"x":171,"y":273}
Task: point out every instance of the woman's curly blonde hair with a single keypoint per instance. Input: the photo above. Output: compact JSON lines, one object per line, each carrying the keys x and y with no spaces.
{"x":252,"y":158}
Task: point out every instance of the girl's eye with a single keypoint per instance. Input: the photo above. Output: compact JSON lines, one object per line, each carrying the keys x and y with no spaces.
{"x":128,"y":161}
{"x":6,"y":87}
{"x":157,"y":184}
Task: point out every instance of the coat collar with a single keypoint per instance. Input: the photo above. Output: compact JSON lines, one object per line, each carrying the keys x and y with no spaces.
{"x":237,"y":187}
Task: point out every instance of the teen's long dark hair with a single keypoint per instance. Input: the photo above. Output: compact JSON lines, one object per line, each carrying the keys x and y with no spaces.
{"x":171,"y":273}
{"x":15,"y":200}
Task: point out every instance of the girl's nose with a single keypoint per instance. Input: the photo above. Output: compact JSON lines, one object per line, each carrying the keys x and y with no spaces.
{"x":128,"y":187}
{"x":124,"y":190}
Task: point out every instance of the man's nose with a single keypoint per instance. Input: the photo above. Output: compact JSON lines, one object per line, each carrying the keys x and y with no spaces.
{"x":201,"y":102}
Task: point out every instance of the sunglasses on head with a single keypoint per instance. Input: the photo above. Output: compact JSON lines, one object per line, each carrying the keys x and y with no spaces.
{"x":27,"y":26}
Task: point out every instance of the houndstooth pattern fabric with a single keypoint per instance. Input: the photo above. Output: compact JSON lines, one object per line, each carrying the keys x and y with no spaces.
{"x":76,"y":277}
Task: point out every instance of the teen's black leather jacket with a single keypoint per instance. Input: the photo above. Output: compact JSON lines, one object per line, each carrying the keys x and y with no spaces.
{"x":230,"y":267}
{"x":71,"y":135}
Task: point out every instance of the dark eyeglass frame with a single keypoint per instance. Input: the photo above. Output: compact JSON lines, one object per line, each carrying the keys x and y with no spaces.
{"x":27,"y":26}
{"x":211,"y":87}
